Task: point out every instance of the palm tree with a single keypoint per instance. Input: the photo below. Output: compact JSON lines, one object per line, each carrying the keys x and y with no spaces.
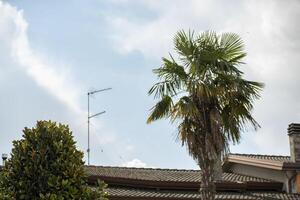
{"x":205,"y":94}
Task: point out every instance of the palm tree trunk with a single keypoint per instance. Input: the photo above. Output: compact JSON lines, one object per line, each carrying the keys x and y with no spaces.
{"x":218,"y":168}
{"x":207,"y":186}
{"x":207,"y":190}
{"x":206,"y":154}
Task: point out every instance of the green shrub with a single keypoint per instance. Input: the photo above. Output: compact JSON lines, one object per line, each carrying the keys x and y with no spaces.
{"x":45,"y":164}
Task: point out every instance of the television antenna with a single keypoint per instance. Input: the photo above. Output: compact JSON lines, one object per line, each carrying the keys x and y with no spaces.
{"x":92,"y":116}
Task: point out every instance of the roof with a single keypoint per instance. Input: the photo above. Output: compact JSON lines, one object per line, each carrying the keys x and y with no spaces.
{"x":162,"y":175}
{"x":174,"y":184}
{"x":130,"y":194}
{"x":153,"y":174}
{"x":264,"y":157}
{"x":173,"y":179}
{"x":121,"y":185}
{"x":266,"y":161}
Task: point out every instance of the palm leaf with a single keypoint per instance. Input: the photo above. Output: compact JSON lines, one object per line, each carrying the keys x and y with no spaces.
{"x":161,"y":109}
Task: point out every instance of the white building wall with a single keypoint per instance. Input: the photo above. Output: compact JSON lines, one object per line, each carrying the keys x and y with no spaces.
{"x":276,"y":175}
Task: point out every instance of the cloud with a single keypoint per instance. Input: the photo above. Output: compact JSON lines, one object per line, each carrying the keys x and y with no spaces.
{"x":154,"y":37}
{"x":270,"y":31}
{"x":52,"y":77}
{"x":135,"y":163}
{"x":57,"y":80}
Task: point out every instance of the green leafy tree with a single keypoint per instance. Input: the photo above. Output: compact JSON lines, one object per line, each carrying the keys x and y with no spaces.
{"x":204,"y":92}
{"x":4,"y":195}
{"x":45,"y":164}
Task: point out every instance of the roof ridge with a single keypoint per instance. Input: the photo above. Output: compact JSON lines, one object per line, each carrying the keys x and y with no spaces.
{"x":267,"y":155}
{"x":143,"y":168}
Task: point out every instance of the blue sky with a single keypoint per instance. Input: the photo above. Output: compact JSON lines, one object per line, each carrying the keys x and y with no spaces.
{"x":53,"y":52}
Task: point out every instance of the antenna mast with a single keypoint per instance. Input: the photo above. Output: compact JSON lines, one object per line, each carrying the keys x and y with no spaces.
{"x":91,"y":116}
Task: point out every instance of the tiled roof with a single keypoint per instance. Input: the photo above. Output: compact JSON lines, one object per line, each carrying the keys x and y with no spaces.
{"x":266,"y":161}
{"x":166,"y":184}
{"x":165,"y":175}
{"x":264,"y":157}
{"x":145,"y":173}
{"x":123,"y":193}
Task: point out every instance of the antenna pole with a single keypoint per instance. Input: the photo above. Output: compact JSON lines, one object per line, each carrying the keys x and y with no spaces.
{"x":91,"y":116}
{"x":88,"y":150}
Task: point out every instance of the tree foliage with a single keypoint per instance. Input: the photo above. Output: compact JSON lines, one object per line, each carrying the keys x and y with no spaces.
{"x":45,"y":164}
{"x":205,"y":93}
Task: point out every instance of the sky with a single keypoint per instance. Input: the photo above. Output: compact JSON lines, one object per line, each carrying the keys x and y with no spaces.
{"x":53,"y":52}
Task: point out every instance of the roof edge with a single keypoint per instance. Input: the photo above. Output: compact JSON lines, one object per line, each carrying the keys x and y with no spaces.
{"x":270,"y":164}
{"x":145,"y":168}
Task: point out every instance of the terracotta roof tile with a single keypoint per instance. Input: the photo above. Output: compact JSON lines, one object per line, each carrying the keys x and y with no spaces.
{"x":166,"y":175}
{"x":124,"y":193}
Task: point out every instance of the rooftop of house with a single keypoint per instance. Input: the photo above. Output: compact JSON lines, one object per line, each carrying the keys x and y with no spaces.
{"x":151,"y":183}
{"x":275,"y":162}
{"x":130,"y":194}
{"x":173,"y":179}
{"x":163,"y":175}
{"x":279,"y":158}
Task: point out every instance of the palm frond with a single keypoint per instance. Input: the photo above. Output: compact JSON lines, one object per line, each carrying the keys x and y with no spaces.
{"x":173,"y":76}
{"x":184,"y":107}
{"x":184,"y":44}
{"x":232,"y":47}
{"x":171,"y":71}
{"x":161,"y":109}
{"x":163,"y":88}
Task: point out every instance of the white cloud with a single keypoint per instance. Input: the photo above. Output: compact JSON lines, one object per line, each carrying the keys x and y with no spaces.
{"x":57,"y":80}
{"x":154,"y":38}
{"x":270,"y":31}
{"x":135,"y":163}
{"x":53,"y":77}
